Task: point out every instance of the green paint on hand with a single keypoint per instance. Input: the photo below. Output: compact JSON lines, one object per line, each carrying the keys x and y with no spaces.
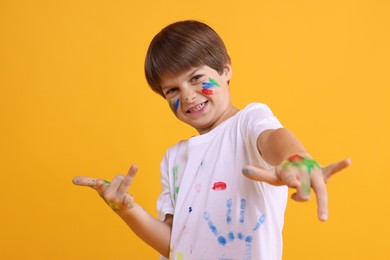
{"x":92,"y":183}
{"x":302,"y":162}
{"x":299,"y":161}
{"x":114,"y":206}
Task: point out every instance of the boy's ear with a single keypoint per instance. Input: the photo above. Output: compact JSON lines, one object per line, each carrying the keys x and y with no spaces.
{"x":227,"y":71}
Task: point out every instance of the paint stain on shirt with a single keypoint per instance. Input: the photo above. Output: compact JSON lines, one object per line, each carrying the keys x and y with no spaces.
{"x":219,"y":186}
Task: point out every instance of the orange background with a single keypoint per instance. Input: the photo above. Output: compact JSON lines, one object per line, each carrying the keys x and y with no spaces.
{"x":74,"y":101}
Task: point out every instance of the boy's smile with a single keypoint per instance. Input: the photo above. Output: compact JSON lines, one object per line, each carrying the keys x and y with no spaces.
{"x":200,"y":97}
{"x":197,"y":108}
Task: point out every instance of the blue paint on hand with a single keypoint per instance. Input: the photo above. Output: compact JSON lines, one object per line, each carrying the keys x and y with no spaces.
{"x":259,"y":222}
{"x":229,"y":211}
{"x":212,"y":227}
{"x":249,"y":239}
{"x":222,"y":240}
{"x":231,"y":235}
{"x":242,"y":212}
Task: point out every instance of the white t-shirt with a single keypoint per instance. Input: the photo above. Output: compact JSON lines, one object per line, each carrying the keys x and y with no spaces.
{"x":219,"y":213}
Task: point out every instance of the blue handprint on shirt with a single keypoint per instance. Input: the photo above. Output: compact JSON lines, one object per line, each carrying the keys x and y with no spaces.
{"x":231,"y":235}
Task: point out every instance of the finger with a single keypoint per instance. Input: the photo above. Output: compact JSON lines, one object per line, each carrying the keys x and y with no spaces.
{"x":116,"y":181}
{"x":259,"y":174}
{"x":102,"y":186}
{"x":291,"y":177}
{"x":128,"y":201}
{"x":127,"y":180}
{"x":84,"y":181}
{"x":333,"y":168}
{"x":297,"y":197}
{"x":319,"y":188}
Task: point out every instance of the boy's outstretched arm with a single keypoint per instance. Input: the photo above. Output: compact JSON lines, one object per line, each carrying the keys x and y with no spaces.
{"x":294,"y":167}
{"x":154,"y":232}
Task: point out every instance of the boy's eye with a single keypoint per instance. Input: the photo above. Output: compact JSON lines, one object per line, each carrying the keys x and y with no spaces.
{"x":196,"y":78}
{"x":170,"y":91}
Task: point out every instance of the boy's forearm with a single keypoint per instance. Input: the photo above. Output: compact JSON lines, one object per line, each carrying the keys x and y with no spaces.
{"x":277,"y":145}
{"x":151,"y":230}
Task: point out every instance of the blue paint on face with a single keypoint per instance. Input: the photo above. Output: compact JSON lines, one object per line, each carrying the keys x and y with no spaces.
{"x":242,"y":212}
{"x":207,"y":85}
{"x":177,"y":104}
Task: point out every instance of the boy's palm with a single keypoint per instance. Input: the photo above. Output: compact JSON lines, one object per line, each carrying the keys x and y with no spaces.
{"x":292,"y":177}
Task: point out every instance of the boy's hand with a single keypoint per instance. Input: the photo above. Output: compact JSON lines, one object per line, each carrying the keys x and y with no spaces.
{"x":301,"y":179}
{"x":114,"y":193}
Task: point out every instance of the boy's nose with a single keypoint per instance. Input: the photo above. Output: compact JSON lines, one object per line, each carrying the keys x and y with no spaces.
{"x":190,"y":96}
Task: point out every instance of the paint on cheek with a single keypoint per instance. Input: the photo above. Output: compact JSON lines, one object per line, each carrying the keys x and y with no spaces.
{"x":174,"y":105}
{"x":177,"y":104}
{"x":207,"y":86}
{"x":214,"y":82}
{"x":207,"y":91}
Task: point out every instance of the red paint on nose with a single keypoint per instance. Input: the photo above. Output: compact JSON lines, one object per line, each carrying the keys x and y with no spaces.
{"x":219,"y":186}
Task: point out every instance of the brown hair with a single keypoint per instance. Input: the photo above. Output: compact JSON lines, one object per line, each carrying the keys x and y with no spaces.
{"x":181,"y":46}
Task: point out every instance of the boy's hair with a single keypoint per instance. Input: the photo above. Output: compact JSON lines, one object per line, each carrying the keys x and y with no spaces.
{"x":181,"y":46}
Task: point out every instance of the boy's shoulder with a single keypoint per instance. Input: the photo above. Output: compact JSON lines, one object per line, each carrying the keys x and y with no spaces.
{"x":256,"y":105}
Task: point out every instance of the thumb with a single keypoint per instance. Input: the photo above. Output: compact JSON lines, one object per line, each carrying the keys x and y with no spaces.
{"x":84,"y":181}
{"x":260,"y":174}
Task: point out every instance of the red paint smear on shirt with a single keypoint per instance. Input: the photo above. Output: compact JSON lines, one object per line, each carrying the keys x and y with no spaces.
{"x":219,"y":186}
{"x":207,"y":91}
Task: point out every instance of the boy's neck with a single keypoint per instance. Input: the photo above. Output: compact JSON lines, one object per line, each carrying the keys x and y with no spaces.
{"x":229,"y":112}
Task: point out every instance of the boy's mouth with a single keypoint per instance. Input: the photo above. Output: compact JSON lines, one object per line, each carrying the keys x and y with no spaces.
{"x":197,"y":107}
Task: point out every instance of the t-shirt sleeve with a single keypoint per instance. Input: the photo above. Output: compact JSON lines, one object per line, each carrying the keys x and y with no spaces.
{"x":164,"y":201}
{"x":257,"y":118}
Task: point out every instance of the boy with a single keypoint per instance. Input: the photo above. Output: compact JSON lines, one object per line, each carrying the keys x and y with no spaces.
{"x":224,"y":192}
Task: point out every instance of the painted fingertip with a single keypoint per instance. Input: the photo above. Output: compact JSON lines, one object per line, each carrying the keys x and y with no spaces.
{"x":75,"y":181}
{"x":246,"y":170}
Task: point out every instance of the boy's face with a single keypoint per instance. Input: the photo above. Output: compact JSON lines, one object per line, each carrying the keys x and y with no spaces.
{"x":200,"y":97}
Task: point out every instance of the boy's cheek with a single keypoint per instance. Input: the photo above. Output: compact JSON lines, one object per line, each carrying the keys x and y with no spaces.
{"x":210,"y":87}
{"x":208,"y":92}
{"x":174,"y":104}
